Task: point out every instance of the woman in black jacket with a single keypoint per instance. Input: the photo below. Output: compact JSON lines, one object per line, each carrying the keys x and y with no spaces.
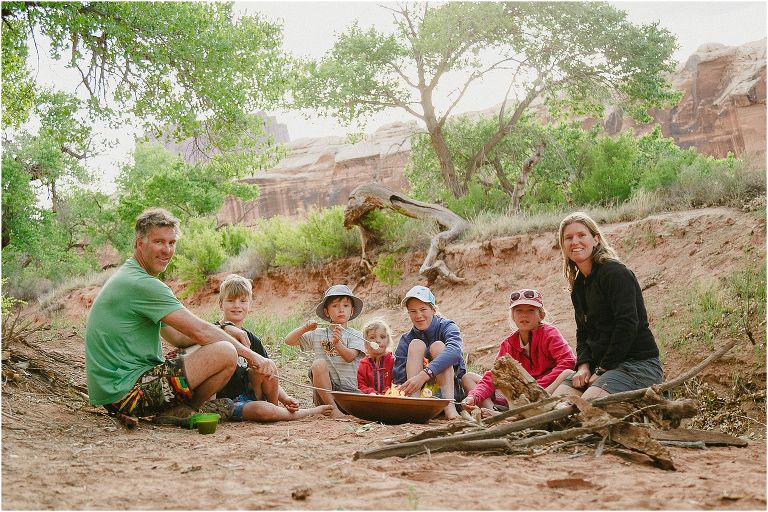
{"x":615,"y":349}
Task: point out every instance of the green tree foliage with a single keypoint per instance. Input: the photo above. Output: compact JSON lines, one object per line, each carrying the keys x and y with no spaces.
{"x":157,"y":177}
{"x":612,"y":171}
{"x":563,"y":160}
{"x":169,"y":64}
{"x":19,"y":91}
{"x":180,"y":69}
{"x":575,"y":56}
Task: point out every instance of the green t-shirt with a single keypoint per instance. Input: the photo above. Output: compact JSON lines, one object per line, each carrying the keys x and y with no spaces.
{"x":122,"y":335}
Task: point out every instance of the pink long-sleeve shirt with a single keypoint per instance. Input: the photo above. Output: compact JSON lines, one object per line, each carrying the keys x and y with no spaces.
{"x":550,"y":355}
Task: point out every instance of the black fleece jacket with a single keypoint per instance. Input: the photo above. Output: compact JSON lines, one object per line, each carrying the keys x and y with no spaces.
{"x":611,"y":320}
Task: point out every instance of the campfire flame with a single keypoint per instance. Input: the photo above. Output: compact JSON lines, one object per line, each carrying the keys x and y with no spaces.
{"x":393,"y":391}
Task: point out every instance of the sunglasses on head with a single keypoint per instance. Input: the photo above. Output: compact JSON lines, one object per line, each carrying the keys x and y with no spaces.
{"x":528,"y":294}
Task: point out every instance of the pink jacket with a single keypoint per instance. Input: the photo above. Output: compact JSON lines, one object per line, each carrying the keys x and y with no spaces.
{"x":550,"y":355}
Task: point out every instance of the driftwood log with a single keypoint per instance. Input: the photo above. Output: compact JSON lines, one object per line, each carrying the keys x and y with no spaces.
{"x":571,"y":420}
{"x":372,"y":196}
{"x":511,"y":379}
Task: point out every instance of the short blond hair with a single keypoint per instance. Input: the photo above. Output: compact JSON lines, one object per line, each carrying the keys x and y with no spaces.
{"x":375,"y":324}
{"x":235,"y":286}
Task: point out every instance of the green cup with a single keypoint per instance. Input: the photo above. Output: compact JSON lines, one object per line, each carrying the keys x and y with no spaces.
{"x":204,"y":421}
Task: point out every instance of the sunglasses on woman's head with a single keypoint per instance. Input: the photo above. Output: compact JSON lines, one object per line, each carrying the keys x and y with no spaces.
{"x":528,"y":294}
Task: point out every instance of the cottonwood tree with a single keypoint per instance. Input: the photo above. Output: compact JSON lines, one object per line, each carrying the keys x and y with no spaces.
{"x":576,"y":57}
{"x":183,"y":69}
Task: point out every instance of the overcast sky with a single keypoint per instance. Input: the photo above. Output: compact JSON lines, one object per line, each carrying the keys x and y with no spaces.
{"x":310,"y":28}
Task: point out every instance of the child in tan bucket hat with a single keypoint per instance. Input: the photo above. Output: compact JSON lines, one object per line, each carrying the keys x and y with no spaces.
{"x":337,"y":349}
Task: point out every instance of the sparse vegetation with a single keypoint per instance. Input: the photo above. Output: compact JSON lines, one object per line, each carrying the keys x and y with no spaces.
{"x":723,"y":309}
{"x":388,"y":272}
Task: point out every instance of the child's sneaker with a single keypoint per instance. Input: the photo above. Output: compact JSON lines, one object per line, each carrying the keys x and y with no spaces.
{"x":224,"y":407}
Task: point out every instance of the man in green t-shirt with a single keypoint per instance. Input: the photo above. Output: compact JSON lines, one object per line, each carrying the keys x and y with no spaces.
{"x":123,"y":355}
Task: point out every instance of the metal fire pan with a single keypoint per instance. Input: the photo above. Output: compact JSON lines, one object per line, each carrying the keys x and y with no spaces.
{"x":392,"y":410}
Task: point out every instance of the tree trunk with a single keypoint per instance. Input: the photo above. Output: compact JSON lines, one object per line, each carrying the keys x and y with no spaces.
{"x":447,"y":169}
{"x":522,"y":180}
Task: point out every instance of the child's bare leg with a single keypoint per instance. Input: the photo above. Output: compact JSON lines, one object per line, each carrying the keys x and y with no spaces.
{"x":594,"y":392}
{"x":265,"y":387}
{"x":445,"y":380}
{"x":415,"y":362}
{"x":321,"y":378}
{"x":470,"y":380}
{"x":565,"y":390}
{"x":265,"y":411}
{"x":559,"y":380}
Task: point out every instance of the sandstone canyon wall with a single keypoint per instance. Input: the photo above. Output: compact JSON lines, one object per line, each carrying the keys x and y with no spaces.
{"x":722,"y":110}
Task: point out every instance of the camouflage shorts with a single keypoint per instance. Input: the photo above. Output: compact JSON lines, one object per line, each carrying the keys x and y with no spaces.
{"x":156,"y":390}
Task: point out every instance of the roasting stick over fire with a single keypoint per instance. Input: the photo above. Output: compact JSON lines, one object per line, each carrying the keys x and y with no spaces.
{"x":373,"y":344}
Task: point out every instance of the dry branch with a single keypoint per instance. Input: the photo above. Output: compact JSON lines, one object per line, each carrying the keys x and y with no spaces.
{"x":372,"y":196}
{"x":593,"y":416}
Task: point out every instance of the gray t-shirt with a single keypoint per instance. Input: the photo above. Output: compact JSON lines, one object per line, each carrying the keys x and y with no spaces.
{"x":319,"y":341}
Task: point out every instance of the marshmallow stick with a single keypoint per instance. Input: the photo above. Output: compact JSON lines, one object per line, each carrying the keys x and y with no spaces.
{"x":373,"y":344}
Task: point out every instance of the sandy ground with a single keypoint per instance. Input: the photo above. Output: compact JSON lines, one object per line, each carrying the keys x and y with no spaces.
{"x":60,"y":453}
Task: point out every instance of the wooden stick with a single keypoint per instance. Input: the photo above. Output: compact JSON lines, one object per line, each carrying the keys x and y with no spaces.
{"x":660,"y":388}
{"x":409,"y":448}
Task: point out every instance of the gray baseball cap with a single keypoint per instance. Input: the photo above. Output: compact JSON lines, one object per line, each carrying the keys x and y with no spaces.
{"x":339,"y":290}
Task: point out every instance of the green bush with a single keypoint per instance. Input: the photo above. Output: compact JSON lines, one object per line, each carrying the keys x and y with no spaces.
{"x":235,"y":238}
{"x":479,"y":199}
{"x":199,"y":253}
{"x":611,"y":173}
{"x":280,"y":241}
{"x":387,"y":271}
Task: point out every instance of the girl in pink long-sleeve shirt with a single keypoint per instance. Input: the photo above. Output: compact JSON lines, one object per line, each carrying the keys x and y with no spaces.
{"x":538,"y":347}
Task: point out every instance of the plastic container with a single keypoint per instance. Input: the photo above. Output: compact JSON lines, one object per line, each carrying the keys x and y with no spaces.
{"x":205,"y":422}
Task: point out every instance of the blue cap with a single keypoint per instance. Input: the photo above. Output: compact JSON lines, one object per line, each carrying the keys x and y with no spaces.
{"x":421,"y":293}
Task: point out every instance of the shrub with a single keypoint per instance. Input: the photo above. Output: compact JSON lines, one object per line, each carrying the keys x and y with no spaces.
{"x":235,"y":238}
{"x":388,"y":271}
{"x":611,"y":174}
{"x":199,"y":253}
{"x":479,"y":199}
{"x":280,"y":241}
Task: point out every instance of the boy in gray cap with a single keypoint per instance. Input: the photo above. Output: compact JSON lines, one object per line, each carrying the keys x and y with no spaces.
{"x":337,"y":348}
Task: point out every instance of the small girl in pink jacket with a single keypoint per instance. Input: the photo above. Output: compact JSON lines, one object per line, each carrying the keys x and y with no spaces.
{"x":538,"y":347}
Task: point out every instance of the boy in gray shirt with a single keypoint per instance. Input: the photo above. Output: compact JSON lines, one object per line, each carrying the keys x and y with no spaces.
{"x":337,"y":349}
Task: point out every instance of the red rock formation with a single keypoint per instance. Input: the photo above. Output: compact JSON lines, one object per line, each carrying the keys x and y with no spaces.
{"x":723,"y":106}
{"x":321,"y":172}
{"x":722,"y":110}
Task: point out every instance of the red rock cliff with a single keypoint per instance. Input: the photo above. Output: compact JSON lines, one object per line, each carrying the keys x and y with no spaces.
{"x":722,"y":109}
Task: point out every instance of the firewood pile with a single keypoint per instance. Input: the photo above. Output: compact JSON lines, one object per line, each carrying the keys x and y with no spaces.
{"x":643,"y":420}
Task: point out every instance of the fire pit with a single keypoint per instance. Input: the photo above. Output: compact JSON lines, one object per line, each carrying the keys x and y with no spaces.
{"x":392,"y":410}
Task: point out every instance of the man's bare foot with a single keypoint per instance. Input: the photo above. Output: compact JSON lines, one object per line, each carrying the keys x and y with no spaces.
{"x":325,"y":410}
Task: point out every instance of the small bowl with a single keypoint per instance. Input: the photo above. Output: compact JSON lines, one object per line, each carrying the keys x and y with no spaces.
{"x":205,"y":422}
